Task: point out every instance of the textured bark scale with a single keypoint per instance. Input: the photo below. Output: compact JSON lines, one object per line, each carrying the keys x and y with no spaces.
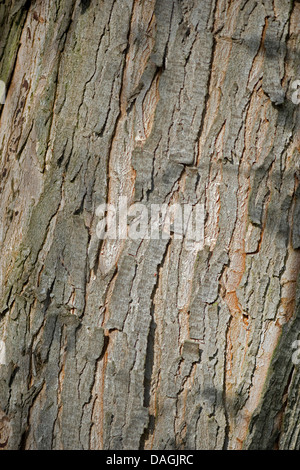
{"x":149,"y":344}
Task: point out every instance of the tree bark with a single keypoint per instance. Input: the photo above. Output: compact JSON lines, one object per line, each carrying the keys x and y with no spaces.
{"x":149,"y":344}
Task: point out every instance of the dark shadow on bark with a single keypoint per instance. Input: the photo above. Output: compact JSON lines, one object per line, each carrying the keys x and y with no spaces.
{"x":85,"y":4}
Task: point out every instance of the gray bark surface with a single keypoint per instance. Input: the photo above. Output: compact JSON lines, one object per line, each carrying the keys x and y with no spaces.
{"x":149,"y":344}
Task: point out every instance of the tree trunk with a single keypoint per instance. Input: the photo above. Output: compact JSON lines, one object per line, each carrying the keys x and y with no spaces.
{"x":149,"y":343}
